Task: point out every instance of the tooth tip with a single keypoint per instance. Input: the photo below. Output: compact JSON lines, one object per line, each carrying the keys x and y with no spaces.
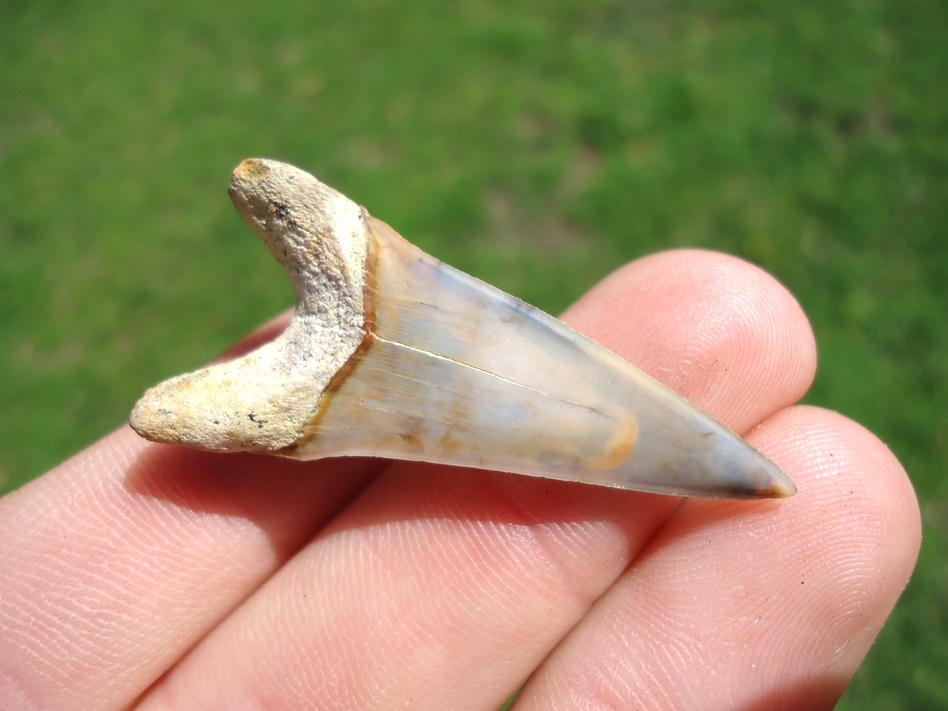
{"x":778,"y":485}
{"x":769,"y":483}
{"x":780,"y":489}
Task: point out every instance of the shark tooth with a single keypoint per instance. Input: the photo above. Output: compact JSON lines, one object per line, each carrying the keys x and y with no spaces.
{"x":392,"y":353}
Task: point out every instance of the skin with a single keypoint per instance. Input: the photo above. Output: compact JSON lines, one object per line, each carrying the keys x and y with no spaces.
{"x":150,"y":576}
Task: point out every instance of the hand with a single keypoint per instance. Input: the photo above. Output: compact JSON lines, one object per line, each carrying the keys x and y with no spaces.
{"x":156,"y":573}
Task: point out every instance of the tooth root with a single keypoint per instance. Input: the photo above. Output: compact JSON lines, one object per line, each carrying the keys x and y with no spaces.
{"x":392,"y":353}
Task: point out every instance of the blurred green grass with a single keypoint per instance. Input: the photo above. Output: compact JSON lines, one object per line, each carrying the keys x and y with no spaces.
{"x":537,"y":145}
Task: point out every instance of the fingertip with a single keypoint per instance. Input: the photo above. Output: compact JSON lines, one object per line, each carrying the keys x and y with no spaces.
{"x":850,"y":480}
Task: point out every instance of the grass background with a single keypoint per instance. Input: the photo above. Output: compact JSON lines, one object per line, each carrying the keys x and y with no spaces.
{"x":537,"y":145}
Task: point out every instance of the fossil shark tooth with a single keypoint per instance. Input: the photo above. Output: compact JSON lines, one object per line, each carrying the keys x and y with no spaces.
{"x":392,"y":353}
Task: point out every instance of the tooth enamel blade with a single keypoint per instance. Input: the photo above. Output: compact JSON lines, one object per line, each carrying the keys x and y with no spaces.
{"x":458,"y":372}
{"x":392,"y":353}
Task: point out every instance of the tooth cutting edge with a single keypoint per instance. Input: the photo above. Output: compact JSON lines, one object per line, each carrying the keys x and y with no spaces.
{"x":392,"y":353}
